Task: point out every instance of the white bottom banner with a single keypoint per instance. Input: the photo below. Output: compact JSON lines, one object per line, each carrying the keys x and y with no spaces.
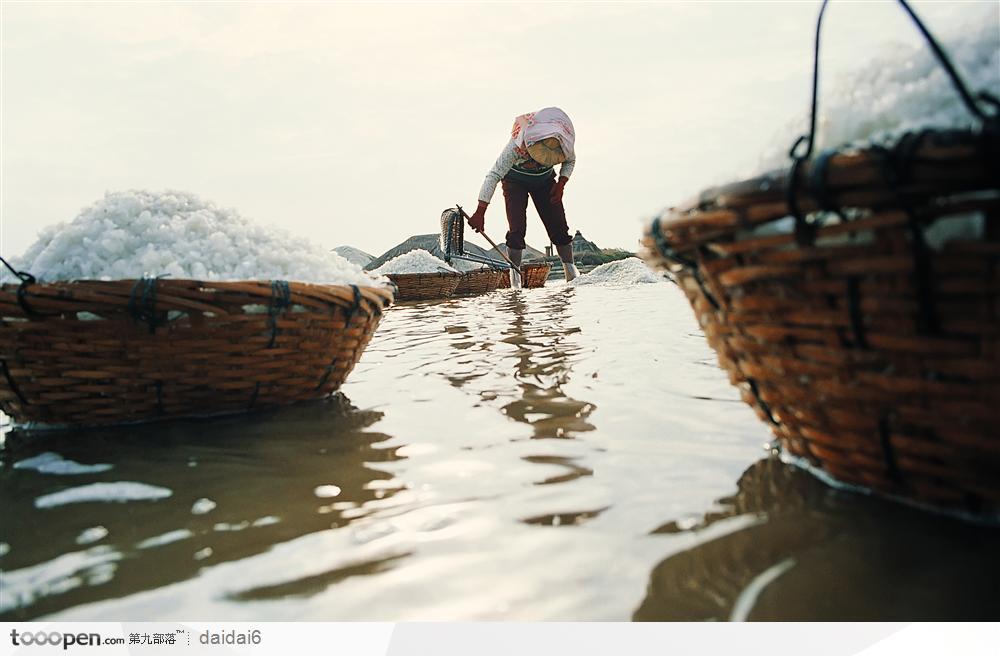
{"x":496,"y":639}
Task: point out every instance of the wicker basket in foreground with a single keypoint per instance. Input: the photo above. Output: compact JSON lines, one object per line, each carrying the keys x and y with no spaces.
{"x":424,"y":286}
{"x":870,"y":341}
{"x":532,"y":275}
{"x":95,"y":352}
{"x":480,"y":281}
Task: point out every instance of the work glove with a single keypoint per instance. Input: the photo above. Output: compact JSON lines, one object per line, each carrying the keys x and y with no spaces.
{"x":478,"y":218}
{"x":556,"y":194}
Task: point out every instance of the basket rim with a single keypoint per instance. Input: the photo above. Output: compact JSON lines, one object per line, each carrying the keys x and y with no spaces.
{"x":937,"y":145}
{"x":187,"y":281}
{"x":475,"y":272}
{"x":190,"y":294}
{"x":431,"y":274}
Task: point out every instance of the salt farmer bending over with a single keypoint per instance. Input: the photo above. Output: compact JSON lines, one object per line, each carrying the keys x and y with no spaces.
{"x":538,"y":141}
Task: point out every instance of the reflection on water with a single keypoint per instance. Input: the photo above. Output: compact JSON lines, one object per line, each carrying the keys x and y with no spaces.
{"x":543,"y":356}
{"x":528,"y":454}
{"x":183,"y":496}
{"x":787,"y":547}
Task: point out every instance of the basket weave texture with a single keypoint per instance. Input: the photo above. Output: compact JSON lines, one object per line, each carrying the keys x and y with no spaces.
{"x":424,"y":286}
{"x":103,"y":352}
{"x":532,"y":275}
{"x":870,"y":352}
{"x":478,"y":282}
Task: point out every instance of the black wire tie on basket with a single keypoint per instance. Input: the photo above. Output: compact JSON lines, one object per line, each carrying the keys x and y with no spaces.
{"x":159,"y":397}
{"x":281,"y":299}
{"x":326,"y":374}
{"x":896,"y":166}
{"x":817,"y":186}
{"x":253,"y":395}
{"x":668,"y":253}
{"x":142,"y":303}
{"x":348,"y":316}
{"x":10,"y":383}
{"x":927,"y":321}
{"x":761,"y":402}
{"x":26,"y":279}
{"x":818,"y":182}
{"x":887,"y":451}
{"x":355,"y":307}
{"x":805,"y":232}
{"x":854,"y":311}
{"x":903,"y":155}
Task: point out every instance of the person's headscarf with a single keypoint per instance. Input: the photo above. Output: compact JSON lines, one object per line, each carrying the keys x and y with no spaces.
{"x":535,"y":126}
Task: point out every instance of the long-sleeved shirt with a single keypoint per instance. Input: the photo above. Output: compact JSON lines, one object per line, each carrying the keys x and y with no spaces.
{"x":509,"y":159}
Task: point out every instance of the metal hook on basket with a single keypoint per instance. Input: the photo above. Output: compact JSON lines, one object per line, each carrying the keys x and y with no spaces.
{"x":24,"y":276}
{"x":26,"y":279}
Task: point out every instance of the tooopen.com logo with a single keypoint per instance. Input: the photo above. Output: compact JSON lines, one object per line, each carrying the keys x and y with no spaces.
{"x":57,"y":638}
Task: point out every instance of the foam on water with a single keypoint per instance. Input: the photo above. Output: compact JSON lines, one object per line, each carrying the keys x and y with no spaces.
{"x":53,"y":463}
{"x":118,"y":491}
{"x":203,"y":506}
{"x":165,"y":538}
{"x":91,"y":535}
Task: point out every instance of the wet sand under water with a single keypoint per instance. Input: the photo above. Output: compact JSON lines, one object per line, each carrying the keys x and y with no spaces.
{"x":538,"y":454}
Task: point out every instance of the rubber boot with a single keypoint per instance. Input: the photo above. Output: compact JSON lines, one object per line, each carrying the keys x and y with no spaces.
{"x":566,"y":255}
{"x":515,"y":274}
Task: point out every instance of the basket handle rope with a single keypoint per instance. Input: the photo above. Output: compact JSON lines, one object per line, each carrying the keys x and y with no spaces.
{"x":802,"y":149}
{"x":974,"y":103}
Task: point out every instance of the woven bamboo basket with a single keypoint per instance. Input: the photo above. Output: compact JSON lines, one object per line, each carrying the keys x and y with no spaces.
{"x":424,"y":286}
{"x":532,"y":275}
{"x":478,"y":282}
{"x":865,"y":335}
{"x":103,"y":352}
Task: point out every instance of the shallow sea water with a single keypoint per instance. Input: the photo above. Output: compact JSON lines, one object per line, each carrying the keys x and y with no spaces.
{"x":538,"y":454}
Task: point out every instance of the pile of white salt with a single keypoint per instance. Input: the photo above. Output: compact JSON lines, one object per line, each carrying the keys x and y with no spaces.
{"x":131,"y":234}
{"x":416,"y":261}
{"x":630,"y":271}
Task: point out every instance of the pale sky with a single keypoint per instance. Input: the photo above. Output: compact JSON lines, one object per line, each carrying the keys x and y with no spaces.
{"x":357,"y":123}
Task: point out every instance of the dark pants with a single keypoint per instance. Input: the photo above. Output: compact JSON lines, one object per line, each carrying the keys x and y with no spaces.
{"x":553,"y":215}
